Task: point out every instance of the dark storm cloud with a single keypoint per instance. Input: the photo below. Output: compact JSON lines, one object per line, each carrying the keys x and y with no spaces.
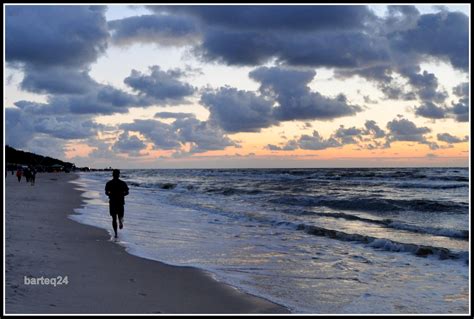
{"x":295,"y":99}
{"x":331,"y":36}
{"x":22,"y":125}
{"x":402,"y":130}
{"x":333,"y":49}
{"x":284,"y":96}
{"x":425,"y":84}
{"x":66,"y":127}
{"x":76,"y":92}
{"x":421,"y":85}
{"x":273,"y":147}
{"x":129,"y":144}
{"x":55,"y":35}
{"x":400,"y":17}
{"x":34,"y":108}
{"x":431,"y":111}
{"x":237,"y":110}
{"x":162,"y":29}
{"x":47,"y":146}
{"x":431,"y":145}
{"x":173,"y":115}
{"x":201,"y":135}
{"x":74,"y":100}
{"x":66,"y":116}
{"x":406,"y":131}
{"x":234,"y":47}
{"x":55,"y":47}
{"x":162,"y":135}
{"x":411,"y":39}
{"x":317,"y":142}
{"x":280,"y":18}
{"x":384,"y":77}
{"x":56,"y":80}
{"x":348,"y":135}
{"x":460,"y":110}
{"x":342,"y":136}
{"x":102,"y":149}
{"x":461,"y":90}
{"x":450,"y":139}
{"x":102,"y":100}
{"x":160,"y":87}
{"x":348,"y":49}
{"x":18,"y":131}
{"x":297,"y":35}
{"x":291,"y":145}
{"x":372,"y":128}
{"x":444,"y":35}
{"x":379,"y":73}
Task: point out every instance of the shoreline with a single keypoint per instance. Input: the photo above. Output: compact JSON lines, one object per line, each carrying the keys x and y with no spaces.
{"x":102,"y":278}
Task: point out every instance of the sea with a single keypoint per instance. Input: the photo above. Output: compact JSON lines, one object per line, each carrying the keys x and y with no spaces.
{"x":321,"y":241}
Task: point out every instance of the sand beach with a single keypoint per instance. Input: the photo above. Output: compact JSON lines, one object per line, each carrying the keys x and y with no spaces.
{"x":57,"y":266}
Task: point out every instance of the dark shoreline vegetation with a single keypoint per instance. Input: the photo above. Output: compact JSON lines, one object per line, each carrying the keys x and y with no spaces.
{"x":16,"y":158}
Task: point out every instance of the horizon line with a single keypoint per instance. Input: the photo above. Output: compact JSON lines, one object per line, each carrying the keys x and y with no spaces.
{"x":332,"y":167}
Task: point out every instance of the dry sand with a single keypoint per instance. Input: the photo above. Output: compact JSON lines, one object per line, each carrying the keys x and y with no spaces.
{"x":102,"y":278}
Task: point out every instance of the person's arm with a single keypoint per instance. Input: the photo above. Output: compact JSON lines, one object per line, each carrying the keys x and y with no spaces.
{"x":125,"y":190}
{"x":107,"y":190}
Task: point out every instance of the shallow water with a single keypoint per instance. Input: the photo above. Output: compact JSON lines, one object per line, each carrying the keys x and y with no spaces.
{"x":314,"y":240}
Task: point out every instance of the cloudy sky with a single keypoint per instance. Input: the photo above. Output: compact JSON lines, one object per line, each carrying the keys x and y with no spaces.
{"x":239,"y":86}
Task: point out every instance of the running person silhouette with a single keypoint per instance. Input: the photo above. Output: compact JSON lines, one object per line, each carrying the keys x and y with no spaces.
{"x":116,"y":189}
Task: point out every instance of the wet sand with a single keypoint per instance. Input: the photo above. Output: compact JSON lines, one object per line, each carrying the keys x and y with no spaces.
{"x":42,"y":242}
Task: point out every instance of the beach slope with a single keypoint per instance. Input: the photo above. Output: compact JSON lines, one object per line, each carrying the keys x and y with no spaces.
{"x":41,"y":242}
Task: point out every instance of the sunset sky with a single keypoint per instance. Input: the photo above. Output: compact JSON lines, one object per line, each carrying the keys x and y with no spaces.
{"x":239,"y":86}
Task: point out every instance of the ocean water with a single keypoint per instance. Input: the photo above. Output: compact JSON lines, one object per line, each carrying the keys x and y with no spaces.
{"x":392,"y":240}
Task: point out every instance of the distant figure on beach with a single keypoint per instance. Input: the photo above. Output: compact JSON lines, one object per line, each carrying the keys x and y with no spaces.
{"x":27,"y":174}
{"x":32,"y":175}
{"x":18,"y":174}
{"x":116,"y":189}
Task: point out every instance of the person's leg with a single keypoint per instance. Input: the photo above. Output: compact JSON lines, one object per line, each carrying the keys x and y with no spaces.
{"x":114,"y":224}
{"x":120,"y":212}
{"x":114,"y":219}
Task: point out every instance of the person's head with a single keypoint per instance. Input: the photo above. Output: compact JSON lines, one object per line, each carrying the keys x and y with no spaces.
{"x":116,"y":173}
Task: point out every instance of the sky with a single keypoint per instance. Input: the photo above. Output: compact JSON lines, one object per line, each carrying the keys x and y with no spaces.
{"x":204,"y":86}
